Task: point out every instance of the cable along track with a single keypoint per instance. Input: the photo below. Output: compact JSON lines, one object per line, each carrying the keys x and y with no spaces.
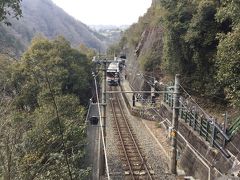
{"x":135,"y":166}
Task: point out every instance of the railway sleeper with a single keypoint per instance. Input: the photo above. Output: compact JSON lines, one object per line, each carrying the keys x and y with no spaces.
{"x":131,"y":155}
{"x":125,"y":134}
{"x":135,"y":159}
{"x":137,"y":173}
{"x":131,"y":158}
{"x":136,"y":162}
{"x":140,"y":173}
{"x":130,"y":149}
{"x":127,"y":141}
{"x":123,"y":128}
{"x":125,"y":137}
{"x":129,"y":145}
{"x":126,"y":168}
{"x":134,"y":168}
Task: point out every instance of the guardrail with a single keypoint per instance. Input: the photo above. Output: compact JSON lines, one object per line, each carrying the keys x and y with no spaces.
{"x":207,"y":128}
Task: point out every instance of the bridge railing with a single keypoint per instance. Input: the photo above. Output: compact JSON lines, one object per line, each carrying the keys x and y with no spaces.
{"x":206,"y":127}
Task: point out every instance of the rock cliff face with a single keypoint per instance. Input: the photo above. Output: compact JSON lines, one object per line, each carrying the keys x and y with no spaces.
{"x":150,"y":41}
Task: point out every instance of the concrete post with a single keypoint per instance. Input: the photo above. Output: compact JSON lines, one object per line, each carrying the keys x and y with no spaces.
{"x":213,"y":134}
{"x":152,"y":91}
{"x":225,"y":127}
{"x":173,"y":165}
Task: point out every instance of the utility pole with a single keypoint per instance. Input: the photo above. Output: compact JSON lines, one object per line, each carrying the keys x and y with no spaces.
{"x":173,"y":165}
{"x":104,"y":97}
{"x":104,"y":109}
{"x":104,"y":61}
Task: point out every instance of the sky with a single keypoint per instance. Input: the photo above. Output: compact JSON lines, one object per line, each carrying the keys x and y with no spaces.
{"x":105,"y":12}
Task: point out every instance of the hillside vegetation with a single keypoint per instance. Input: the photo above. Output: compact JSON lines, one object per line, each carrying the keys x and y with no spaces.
{"x":43,"y":100}
{"x":44,"y":17}
{"x":200,"y":40}
{"x":42,"y":124}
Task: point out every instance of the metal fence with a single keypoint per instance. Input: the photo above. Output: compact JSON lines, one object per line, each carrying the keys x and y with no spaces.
{"x":206,"y":126}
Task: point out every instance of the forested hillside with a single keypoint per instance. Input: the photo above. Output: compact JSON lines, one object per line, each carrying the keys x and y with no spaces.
{"x":198,"y":39}
{"x":44,"y":17}
{"x":42,"y":131}
{"x":43,"y":101}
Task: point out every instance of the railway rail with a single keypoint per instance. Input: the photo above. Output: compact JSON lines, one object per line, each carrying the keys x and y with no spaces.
{"x":134,"y":163}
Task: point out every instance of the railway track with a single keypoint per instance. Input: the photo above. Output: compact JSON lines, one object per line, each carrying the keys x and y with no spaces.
{"x":134,"y":164}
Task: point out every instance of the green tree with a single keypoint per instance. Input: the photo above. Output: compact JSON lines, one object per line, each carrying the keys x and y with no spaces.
{"x":228,"y":59}
{"x":42,"y":132}
{"x":190,"y":44}
{"x":54,"y":146}
{"x":68,"y":69}
{"x":9,"y":131}
{"x":56,"y":141}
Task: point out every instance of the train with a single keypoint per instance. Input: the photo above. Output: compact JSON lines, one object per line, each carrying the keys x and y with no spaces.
{"x":113,"y":73}
{"x":114,"y":69}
